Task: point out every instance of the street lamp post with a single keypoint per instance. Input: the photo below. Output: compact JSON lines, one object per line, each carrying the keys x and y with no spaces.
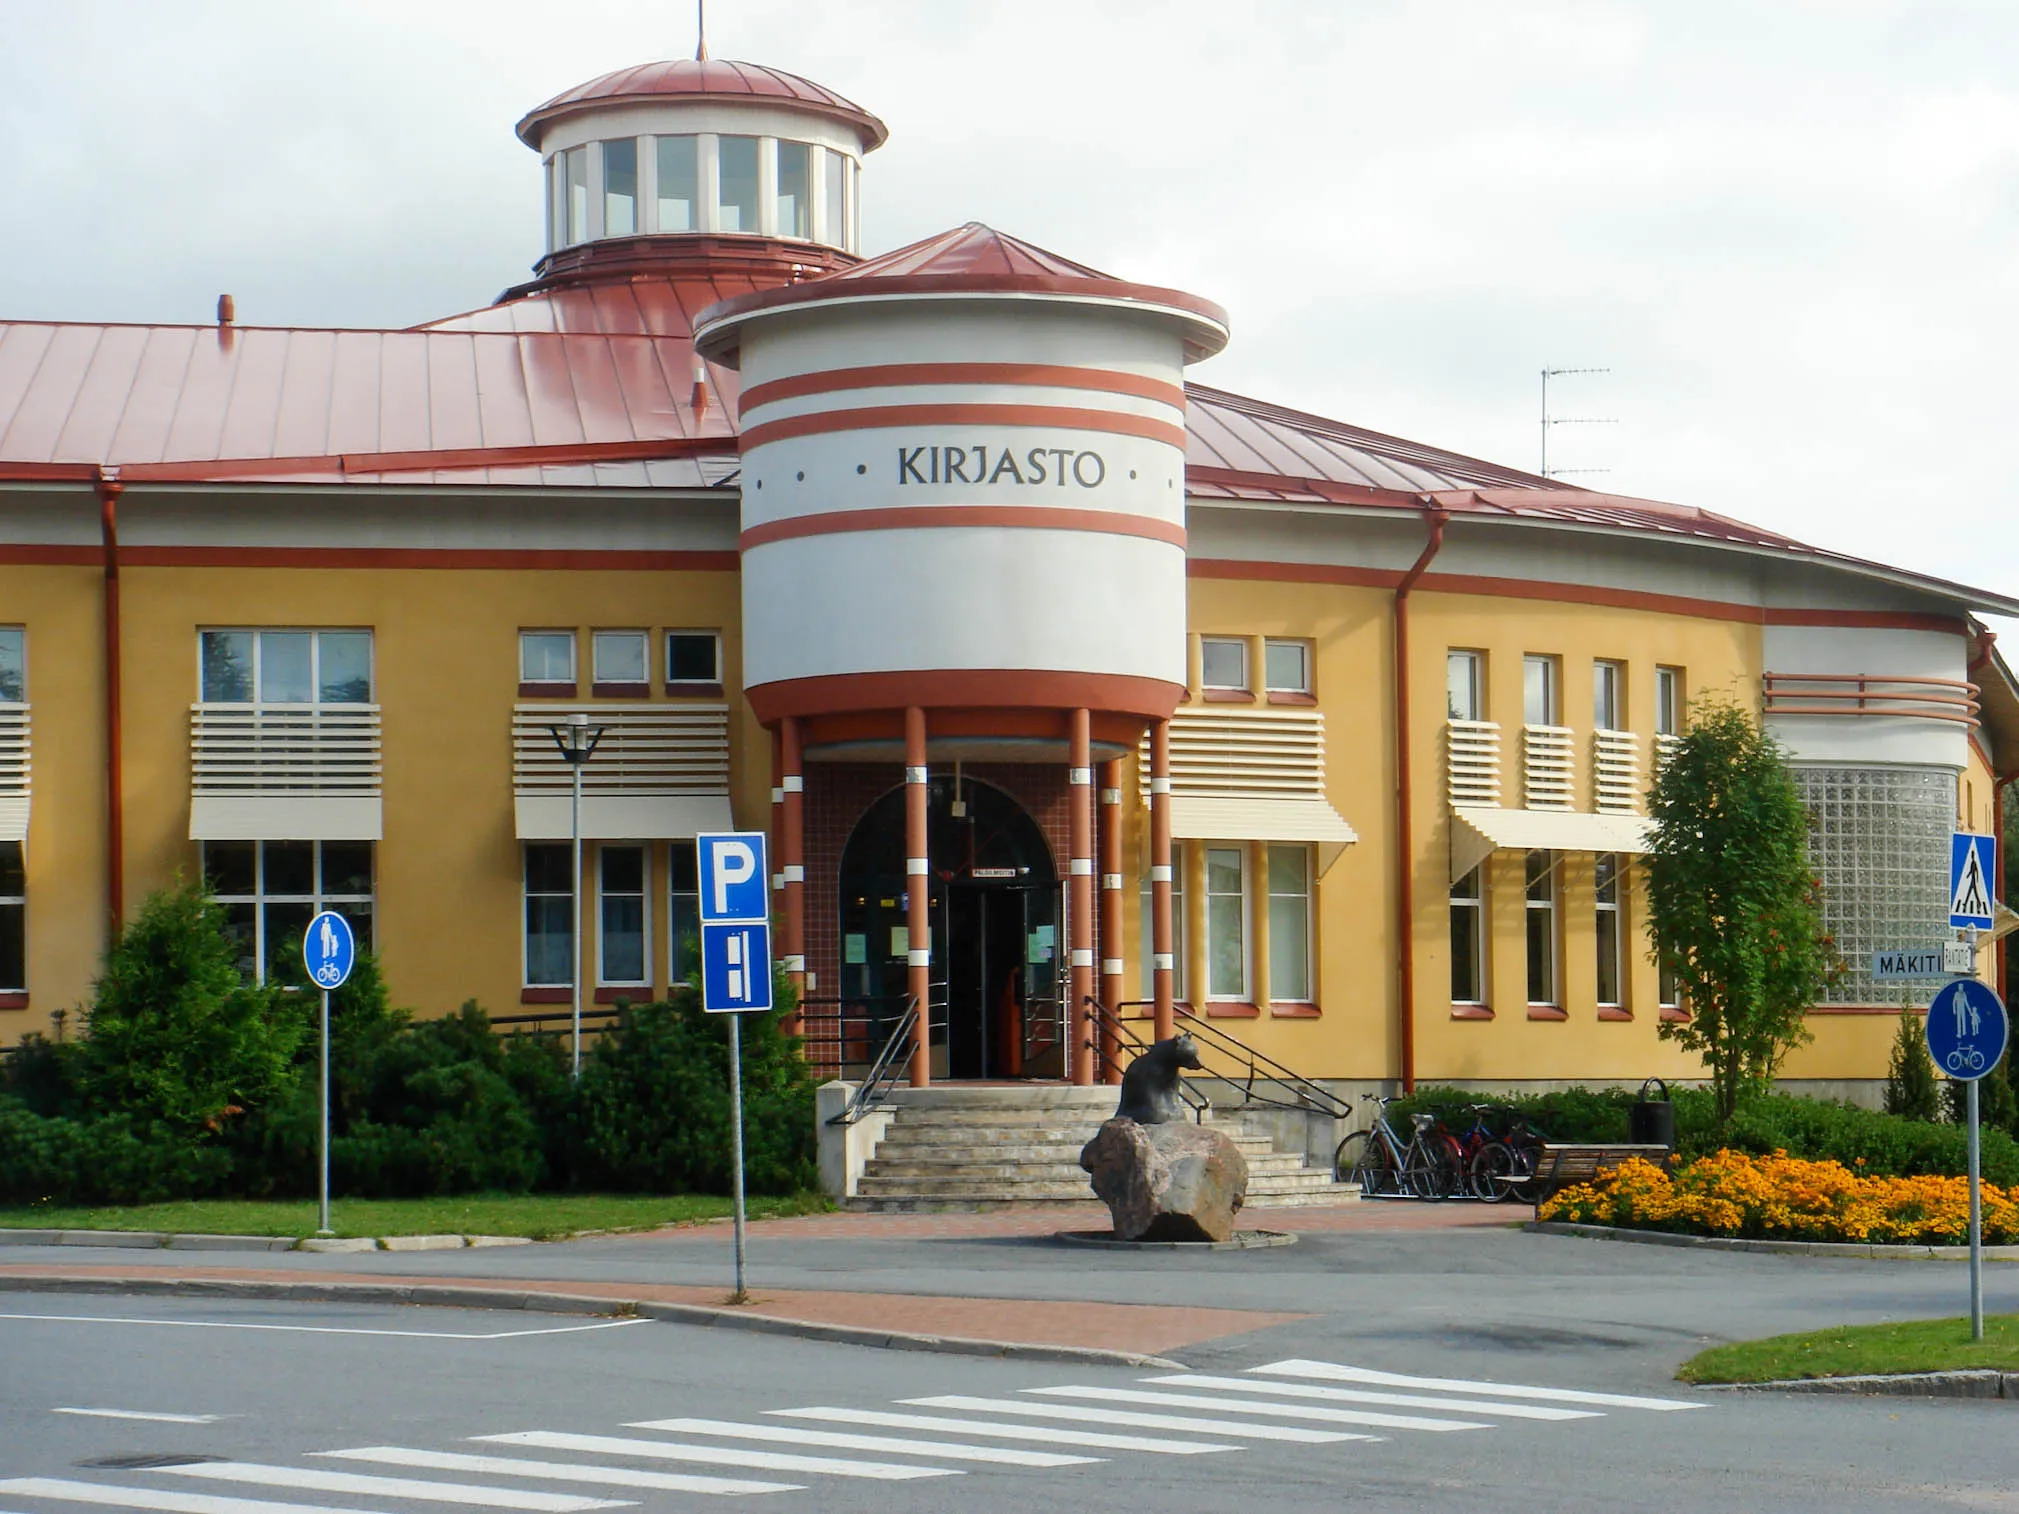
{"x":577,"y":740}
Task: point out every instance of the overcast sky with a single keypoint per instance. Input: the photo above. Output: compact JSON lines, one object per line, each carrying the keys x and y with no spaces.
{"x":1788,"y":229}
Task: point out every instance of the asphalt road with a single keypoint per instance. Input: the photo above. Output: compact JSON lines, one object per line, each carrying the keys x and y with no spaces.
{"x":1496,"y":1414}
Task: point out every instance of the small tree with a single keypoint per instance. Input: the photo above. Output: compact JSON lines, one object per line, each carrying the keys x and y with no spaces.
{"x":1910,"y":1076}
{"x":1996,"y":1107}
{"x":1735,"y":908}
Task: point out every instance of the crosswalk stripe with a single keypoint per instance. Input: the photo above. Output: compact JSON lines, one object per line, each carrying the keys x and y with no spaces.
{"x":561,"y":1471}
{"x":314,"y":1479}
{"x":1332,"y":1372}
{"x":66,"y":1491}
{"x":721,"y":1456}
{"x":999,"y":1431}
{"x":1273,"y":1411}
{"x":837,"y":1440}
{"x":1128,"y":1417}
{"x":1364,"y":1396}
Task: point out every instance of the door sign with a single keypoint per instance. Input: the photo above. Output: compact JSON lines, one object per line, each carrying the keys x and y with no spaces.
{"x":328,"y":950}
{"x":1967,"y":1028}
{"x":1973,"y":863}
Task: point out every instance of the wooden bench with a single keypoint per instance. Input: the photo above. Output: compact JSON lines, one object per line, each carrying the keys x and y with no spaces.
{"x":1563,"y":1166}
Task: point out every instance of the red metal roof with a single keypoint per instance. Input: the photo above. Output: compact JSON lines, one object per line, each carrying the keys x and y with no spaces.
{"x":973,"y":250}
{"x":712,"y":78}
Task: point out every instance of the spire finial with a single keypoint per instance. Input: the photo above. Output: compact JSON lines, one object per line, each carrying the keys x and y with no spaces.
{"x":700,"y":31}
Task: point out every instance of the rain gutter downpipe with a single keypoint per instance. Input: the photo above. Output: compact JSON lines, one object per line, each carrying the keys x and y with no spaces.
{"x":109,"y":489}
{"x":1405,"y":838}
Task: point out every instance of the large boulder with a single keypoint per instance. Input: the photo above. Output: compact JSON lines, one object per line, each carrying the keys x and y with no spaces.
{"x":1172,"y":1182}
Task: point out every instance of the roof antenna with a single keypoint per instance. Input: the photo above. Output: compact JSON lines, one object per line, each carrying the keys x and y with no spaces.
{"x":1548,"y":420}
{"x":700,"y":31}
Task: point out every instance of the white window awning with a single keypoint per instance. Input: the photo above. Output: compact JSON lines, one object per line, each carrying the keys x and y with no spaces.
{"x":286,"y":817}
{"x":1477,"y":831}
{"x":1200,"y":817}
{"x":623,"y":817}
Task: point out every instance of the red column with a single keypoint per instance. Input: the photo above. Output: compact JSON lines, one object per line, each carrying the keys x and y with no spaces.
{"x":1161,"y":934}
{"x":1080,"y":790}
{"x":792,"y":853}
{"x":1112,"y":987}
{"x":918,"y":914}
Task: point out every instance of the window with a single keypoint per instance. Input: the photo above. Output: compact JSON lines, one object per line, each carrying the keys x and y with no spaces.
{"x":286,"y":667}
{"x":1461,"y":686}
{"x":13,"y":665}
{"x":836,"y":230}
{"x":1668,"y":697}
{"x":1468,"y":941}
{"x":620,"y":916}
{"x":1223,"y":662}
{"x":684,"y":884}
{"x":1286,"y":667}
{"x":620,"y":662}
{"x":1605,"y":889}
{"x":547,"y":657}
{"x":736,"y":200}
{"x":620,"y":187}
{"x":1177,"y":927}
{"x":1608,"y":685}
{"x":1226,"y":922}
{"x":1538,"y":690}
{"x":1541,"y":928}
{"x":1290,"y":924}
{"x":575,"y":185}
{"x":1668,"y":987}
{"x":679,"y":184}
{"x":13,"y":918}
{"x":270,"y":890}
{"x":550,"y":915}
{"x":795,"y":189}
{"x":693,"y":657}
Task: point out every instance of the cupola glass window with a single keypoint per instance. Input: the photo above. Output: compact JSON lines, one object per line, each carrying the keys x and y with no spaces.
{"x":736,"y":199}
{"x":679,"y":184}
{"x":620,"y":187}
{"x":575,"y":189}
{"x":836,"y":230}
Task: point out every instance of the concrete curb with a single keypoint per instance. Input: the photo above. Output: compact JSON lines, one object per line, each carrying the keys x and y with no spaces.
{"x":1976,"y":1383}
{"x":1857,"y":1250}
{"x":156,"y":1240}
{"x":572,"y":1303}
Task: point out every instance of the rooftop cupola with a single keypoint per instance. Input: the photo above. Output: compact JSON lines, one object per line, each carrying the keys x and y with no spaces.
{"x":700,"y":160}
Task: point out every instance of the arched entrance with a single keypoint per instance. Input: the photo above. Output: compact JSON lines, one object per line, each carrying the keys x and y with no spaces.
{"x":994,"y":896}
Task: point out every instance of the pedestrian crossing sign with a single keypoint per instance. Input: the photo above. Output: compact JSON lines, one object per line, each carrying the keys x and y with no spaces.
{"x":1973,"y":867}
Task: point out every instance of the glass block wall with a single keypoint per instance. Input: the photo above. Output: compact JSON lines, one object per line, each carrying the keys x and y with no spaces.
{"x":1880,"y":840}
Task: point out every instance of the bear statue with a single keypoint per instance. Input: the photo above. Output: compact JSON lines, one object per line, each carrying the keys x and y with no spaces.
{"x":1150,"y":1085}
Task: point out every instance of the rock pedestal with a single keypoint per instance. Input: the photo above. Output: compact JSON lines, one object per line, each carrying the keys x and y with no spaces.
{"x":1167,"y":1182}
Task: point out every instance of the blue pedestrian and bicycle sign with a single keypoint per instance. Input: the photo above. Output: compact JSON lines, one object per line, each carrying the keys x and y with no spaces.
{"x":328,"y":950}
{"x":1973,"y":864}
{"x":1967,"y":1028}
{"x":735,"y":922}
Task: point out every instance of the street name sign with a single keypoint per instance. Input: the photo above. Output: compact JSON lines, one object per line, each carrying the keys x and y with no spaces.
{"x":1973,"y":864}
{"x":1908,"y":964}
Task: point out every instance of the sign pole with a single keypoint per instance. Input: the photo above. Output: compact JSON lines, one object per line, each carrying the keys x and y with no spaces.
{"x":322,"y":1191}
{"x":1976,"y":1226}
{"x":736,"y":1145}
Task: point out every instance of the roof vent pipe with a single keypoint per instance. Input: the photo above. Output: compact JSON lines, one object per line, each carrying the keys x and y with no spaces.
{"x":227,"y":310}
{"x":700,"y":396}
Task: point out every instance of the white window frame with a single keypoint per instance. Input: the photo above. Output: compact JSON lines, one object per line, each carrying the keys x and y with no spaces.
{"x":1308,"y":898}
{"x":1471,"y":666}
{"x":1668,"y":701}
{"x":319,"y":897}
{"x":1473,"y":905}
{"x":315,"y":635}
{"x":1306,"y":657}
{"x":1608,"y":694}
{"x":526,"y":896}
{"x":1552,"y":689}
{"x":715,"y":640}
{"x":644,"y":897}
{"x":1239,"y":994}
{"x":1247,"y":680}
{"x":574,"y":653}
{"x":643,"y":642}
{"x":1604,"y":907}
{"x":1544,"y":904}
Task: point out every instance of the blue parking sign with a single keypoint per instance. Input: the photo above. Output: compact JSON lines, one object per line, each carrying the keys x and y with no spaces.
{"x":328,"y":950}
{"x":735,"y":883}
{"x":736,"y":967}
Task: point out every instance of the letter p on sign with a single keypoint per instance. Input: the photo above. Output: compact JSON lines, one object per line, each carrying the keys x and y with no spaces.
{"x":735,"y":884}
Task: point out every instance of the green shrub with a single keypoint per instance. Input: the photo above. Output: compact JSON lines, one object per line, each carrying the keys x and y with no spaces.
{"x":109,"y":1160}
{"x":1995,"y":1106}
{"x":1568,"y":1114}
{"x":1910,"y":1075}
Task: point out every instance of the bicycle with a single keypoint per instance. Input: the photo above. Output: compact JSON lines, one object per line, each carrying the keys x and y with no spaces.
{"x":1377,"y":1158}
{"x":1505,"y":1168}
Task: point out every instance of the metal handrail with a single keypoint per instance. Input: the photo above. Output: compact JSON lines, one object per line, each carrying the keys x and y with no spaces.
{"x":883,"y":1071}
{"x":1295,"y":1091}
{"x":1105,"y":1028}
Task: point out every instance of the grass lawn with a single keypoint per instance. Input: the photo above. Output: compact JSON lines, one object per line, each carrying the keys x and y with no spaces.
{"x":1933,"y":1345}
{"x":541,"y":1216}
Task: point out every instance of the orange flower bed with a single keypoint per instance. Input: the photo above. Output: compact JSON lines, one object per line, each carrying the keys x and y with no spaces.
{"x":1784,"y":1198}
